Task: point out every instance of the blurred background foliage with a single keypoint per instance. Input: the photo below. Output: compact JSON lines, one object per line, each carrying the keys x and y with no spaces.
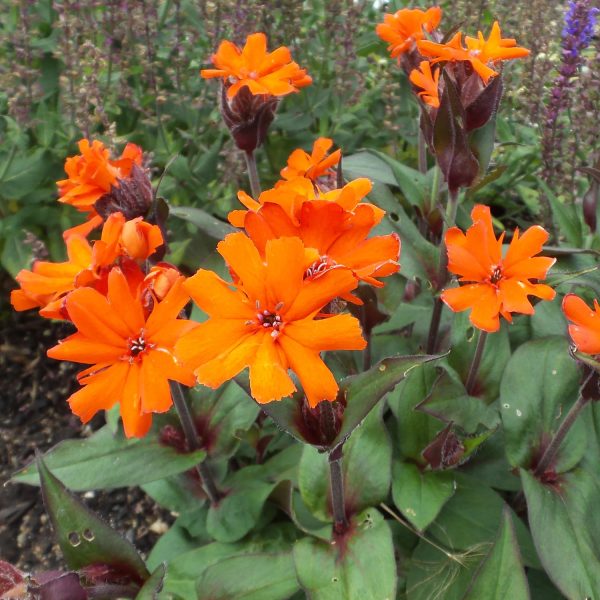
{"x":128,"y":70}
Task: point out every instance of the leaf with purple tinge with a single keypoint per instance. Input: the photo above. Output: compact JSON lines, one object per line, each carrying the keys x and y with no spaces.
{"x":84,"y":539}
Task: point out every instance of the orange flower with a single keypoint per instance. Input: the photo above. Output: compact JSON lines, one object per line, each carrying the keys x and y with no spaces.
{"x":93,"y":173}
{"x":495,"y":285}
{"x":406,"y":27}
{"x":132,"y":355}
{"x":292,"y":194}
{"x":312,"y":166}
{"x":338,"y":235}
{"x":47,"y":283}
{"x":267,"y":321}
{"x":585,"y":327}
{"x":479,"y":51}
{"x":428,"y":82}
{"x":263,"y":72}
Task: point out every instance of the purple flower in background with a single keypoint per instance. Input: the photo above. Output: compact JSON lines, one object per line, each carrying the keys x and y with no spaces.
{"x":580,"y":23}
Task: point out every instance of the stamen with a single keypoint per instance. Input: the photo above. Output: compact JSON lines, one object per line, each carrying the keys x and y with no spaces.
{"x":496,"y":274}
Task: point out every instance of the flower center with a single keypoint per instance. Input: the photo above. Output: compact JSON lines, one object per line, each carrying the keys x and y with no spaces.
{"x":271,"y":321}
{"x":496,"y":274}
{"x":319,"y":267}
{"x":138,"y":346}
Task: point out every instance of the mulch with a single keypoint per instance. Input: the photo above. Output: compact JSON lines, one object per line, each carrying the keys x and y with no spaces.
{"x":34,"y":414}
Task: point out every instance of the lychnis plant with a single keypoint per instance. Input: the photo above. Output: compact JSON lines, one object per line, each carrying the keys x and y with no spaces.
{"x":301,"y":363}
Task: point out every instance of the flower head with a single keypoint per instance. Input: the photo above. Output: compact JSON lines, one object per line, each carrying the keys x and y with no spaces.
{"x":263,"y":73}
{"x":314,"y":165}
{"x":292,"y":194}
{"x":92,"y":174}
{"x":132,"y":352}
{"x":403,"y":29}
{"x":480,"y":53}
{"x":584,"y":328}
{"x":88,"y":265}
{"x":428,"y":82}
{"x":268,"y":320}
{"x":495,"y":285}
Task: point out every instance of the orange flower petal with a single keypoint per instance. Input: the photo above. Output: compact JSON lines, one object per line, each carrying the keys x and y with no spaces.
{"x":269,"y":379}
{"x":154,"y":386}
{"x":78,"y":348}
{"x":135,"y":423}
{"x":481,"y":298}
{"x":317,"y":380}
{"x":340,"y":332}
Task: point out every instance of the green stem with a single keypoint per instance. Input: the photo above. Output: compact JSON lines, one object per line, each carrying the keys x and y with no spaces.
{"x":442,"y":277}
{"x":340,"y":521}
{"x":191,"y":435}
{"x":252,"y":174}
{"x":435,"y":187}
{"x":472,"y":377}
{"x":554,"y":446}
{"x":422,"y":157}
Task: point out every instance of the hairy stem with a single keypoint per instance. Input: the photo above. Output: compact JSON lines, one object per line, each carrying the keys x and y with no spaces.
{"x":252,"y":174}
{"x":472,"y":377}
{"x":554,"y":446}
{"x":340,"y":521}
{"x":191,"y":435}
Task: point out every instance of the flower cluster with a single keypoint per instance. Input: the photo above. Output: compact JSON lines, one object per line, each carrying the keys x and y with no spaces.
{"x":126,"y":313}
{"x":303,"y":248}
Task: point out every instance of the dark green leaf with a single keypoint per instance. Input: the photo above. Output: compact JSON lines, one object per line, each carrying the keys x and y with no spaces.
{"x":566,"y":531}
{"x":363,"y":391}
{"x":25,"y":173}
{"x":239,"y":511}
{"x":16,"y":254}
{"x":450,"y":402}
{"x":420,"y":495}
{"x":471,"y":517}
{"x":540,"y":382}
{"x":104,"y":461}
{"x":366,"y":568}
{"x":501,"y":575}
{"x":256,"y":577}
{"x":83,"y":538}
{"x":208,"y":224}
{"x":368,"y":164}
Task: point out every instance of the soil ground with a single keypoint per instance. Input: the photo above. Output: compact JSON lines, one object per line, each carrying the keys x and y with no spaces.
{"x":34,"y":414}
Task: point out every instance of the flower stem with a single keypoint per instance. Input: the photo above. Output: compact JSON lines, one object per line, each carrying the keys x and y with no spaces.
{"x":340,"y":522}
{"x":422,"y":157}
{"x":554,"y":446}
{"x":191,"y":435}
{"x":252,"y":174}
{"x":472,"y":377}
{"x":442,"y":276}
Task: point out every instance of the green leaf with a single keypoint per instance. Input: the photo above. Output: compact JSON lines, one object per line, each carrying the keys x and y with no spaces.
{"x":433,"y":575}
{"x":566,"y":531}
{"x":364,"y":568}
{"x":495,"y":356}
{"x":154,"y":584}
{"x":565,"y":215}
{"x":368,"y":164}
{"x":257,"y":577}
{"x":449,"y":401}
{"x":415,"y":429}
{"x":420,"y":495}
{"x":16,"y":254}
{"x":83,"y":538}
{"x":24,"y":174}
{"x":222,"y":414}
{"x":501,"y":574}
{"x":362,"y":392}
{"x":366,"y":468}
{"x":540,"y":383}
{"x":239,"y":511}
{"x":104,"y":461}
{"x":208,"y":224}
{"x":471,"y":517}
